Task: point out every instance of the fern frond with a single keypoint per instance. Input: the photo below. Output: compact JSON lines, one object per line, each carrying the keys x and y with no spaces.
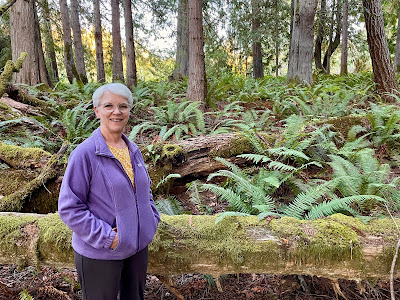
{"x":230,"y":196}
{"x":303,"y":201}
{"x":256,"y":158}
{"x":165,"y":179}
{"x":227,"y":214}
{"x":276,"y":165}
{"x":328,"y":208}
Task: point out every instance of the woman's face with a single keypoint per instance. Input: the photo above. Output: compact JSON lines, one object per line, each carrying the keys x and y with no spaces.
{"x":112,"y":112}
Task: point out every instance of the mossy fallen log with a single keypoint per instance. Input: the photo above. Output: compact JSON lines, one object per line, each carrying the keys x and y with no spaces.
{"x":335,"y":247}
{"x":25,"y":158}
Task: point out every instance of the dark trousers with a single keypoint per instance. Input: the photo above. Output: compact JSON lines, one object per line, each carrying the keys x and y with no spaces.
{"x":103,"y":279}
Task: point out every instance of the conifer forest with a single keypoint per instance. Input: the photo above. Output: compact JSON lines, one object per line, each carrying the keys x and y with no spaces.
{"x":270,"y":130}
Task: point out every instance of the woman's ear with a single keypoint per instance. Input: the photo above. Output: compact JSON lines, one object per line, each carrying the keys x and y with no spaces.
{"x":96,"y":111}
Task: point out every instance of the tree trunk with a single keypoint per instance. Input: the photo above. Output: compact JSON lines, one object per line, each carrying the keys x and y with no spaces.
{"x":276,"y":38}
{"x":258,"y":68}
{"x":131,"y":77}
{"x":322,"y":21}
{"x":301,"y":41}
{"x":76,"y":29}
{"x":25,"y":37}
{"x":397,"y":54}
{"x":68,"y":53}
{"x":333,"y":43}
{"x":197,"y":83}
{"x":49,"y":43}
{"x":333,"y":247}
{"x":182,"y":41}
{"x":382,"y":66}
{"x":117,"y":66}
{"x":345,"y":29}
{"x":98,"y":37}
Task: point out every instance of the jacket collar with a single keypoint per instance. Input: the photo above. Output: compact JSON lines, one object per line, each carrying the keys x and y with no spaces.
{"x":102,"y":148}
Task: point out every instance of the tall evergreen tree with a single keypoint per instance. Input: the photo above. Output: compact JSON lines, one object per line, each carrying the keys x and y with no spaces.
{"x":345,"y":29}
{"x":182,"y":40}
{"x":382,"y":66}
{"x":25,"y":37}
{"x":118,"y":69}
{"x":397,"y":53}
{"x":67,"y":39}
{"x":98,"y":37}
{"x":49,"y":42}
{"x":76,"y":29}
{"x":301,"y":40}
{"x":197,"y":83}
{"x":131,"y":76}
{"x":258,"y":68}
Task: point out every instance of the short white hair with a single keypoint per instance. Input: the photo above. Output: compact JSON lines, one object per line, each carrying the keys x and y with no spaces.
{"x":115,"y":88}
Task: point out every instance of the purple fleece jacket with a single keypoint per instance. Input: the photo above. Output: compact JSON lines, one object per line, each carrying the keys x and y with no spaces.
{"x":97,"y":194}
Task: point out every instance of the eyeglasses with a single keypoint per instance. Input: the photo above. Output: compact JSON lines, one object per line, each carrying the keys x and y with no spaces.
{"x":122,"y":107}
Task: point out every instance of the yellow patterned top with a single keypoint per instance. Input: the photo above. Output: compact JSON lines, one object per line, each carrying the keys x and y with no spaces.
{"x":124,"y":158}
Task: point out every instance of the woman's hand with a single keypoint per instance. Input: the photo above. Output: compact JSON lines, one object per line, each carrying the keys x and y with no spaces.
{"x":115,"y":242}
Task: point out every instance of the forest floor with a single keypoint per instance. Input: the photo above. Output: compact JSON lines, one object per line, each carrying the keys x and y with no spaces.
{"x":50,"y":283}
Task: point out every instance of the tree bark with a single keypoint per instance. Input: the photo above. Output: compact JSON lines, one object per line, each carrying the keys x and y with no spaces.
{"x":397,"y":54}
{"x":118,"y":69}
{"x":49,"y":43}
{"x":258,"y":68}
{"x":276,"y":38}
{"x":333,"y":247}
{"x":67,"y":38}
{"x":131,"y":76}
{"x":345,"y":29}
{"x":301,"y":41}
{"x":182,"y":41}
{"x":333,"y":43}
{"x":197,"y":83}
{"x":98,"y":37}
{"x":382,"y":66}
{"x":322,"y":22}
{"x":76,"y":29}
{"x":25,"y":37}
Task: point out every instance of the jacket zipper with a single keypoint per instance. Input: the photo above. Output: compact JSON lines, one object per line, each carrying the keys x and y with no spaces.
{"x":136,"y":202}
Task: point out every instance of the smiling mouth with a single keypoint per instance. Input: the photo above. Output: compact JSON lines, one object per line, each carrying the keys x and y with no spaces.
{"x":116,"y":120}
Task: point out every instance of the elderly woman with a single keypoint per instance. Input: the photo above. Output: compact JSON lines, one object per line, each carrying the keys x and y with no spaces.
{"x":106,"y":200}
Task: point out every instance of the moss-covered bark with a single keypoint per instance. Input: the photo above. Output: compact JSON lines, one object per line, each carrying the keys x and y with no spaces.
{"x":334,"y":247}
{"x":15,"y":201}
{"x":9,"y":68}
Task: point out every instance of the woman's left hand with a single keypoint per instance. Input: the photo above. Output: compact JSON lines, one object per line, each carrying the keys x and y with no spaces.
{"x":115,"y":242}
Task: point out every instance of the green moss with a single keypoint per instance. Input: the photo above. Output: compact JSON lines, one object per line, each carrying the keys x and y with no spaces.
{"x":12,"y":180}
{"x":173,"y":153}
{"x":237,"y":145}
{"x":344,"y":124}
{"x":10,"y":231}
{"x":43,"y":200}
{"x":54,"y":239}
{"x":19,"y":156}
{"x":384,"y":228}
{"x":16,"y":200}
{"x":287,"y":227}
{"x":226,"y":241}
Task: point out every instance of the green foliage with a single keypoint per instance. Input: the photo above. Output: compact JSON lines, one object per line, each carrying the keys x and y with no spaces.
{"x":78,"y":123}
{"x":384,"y":120}
{"x":169,"y":206}
{"x":364,"y":175}
{"x":24,"y":295}
{"x":173,"y":121}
